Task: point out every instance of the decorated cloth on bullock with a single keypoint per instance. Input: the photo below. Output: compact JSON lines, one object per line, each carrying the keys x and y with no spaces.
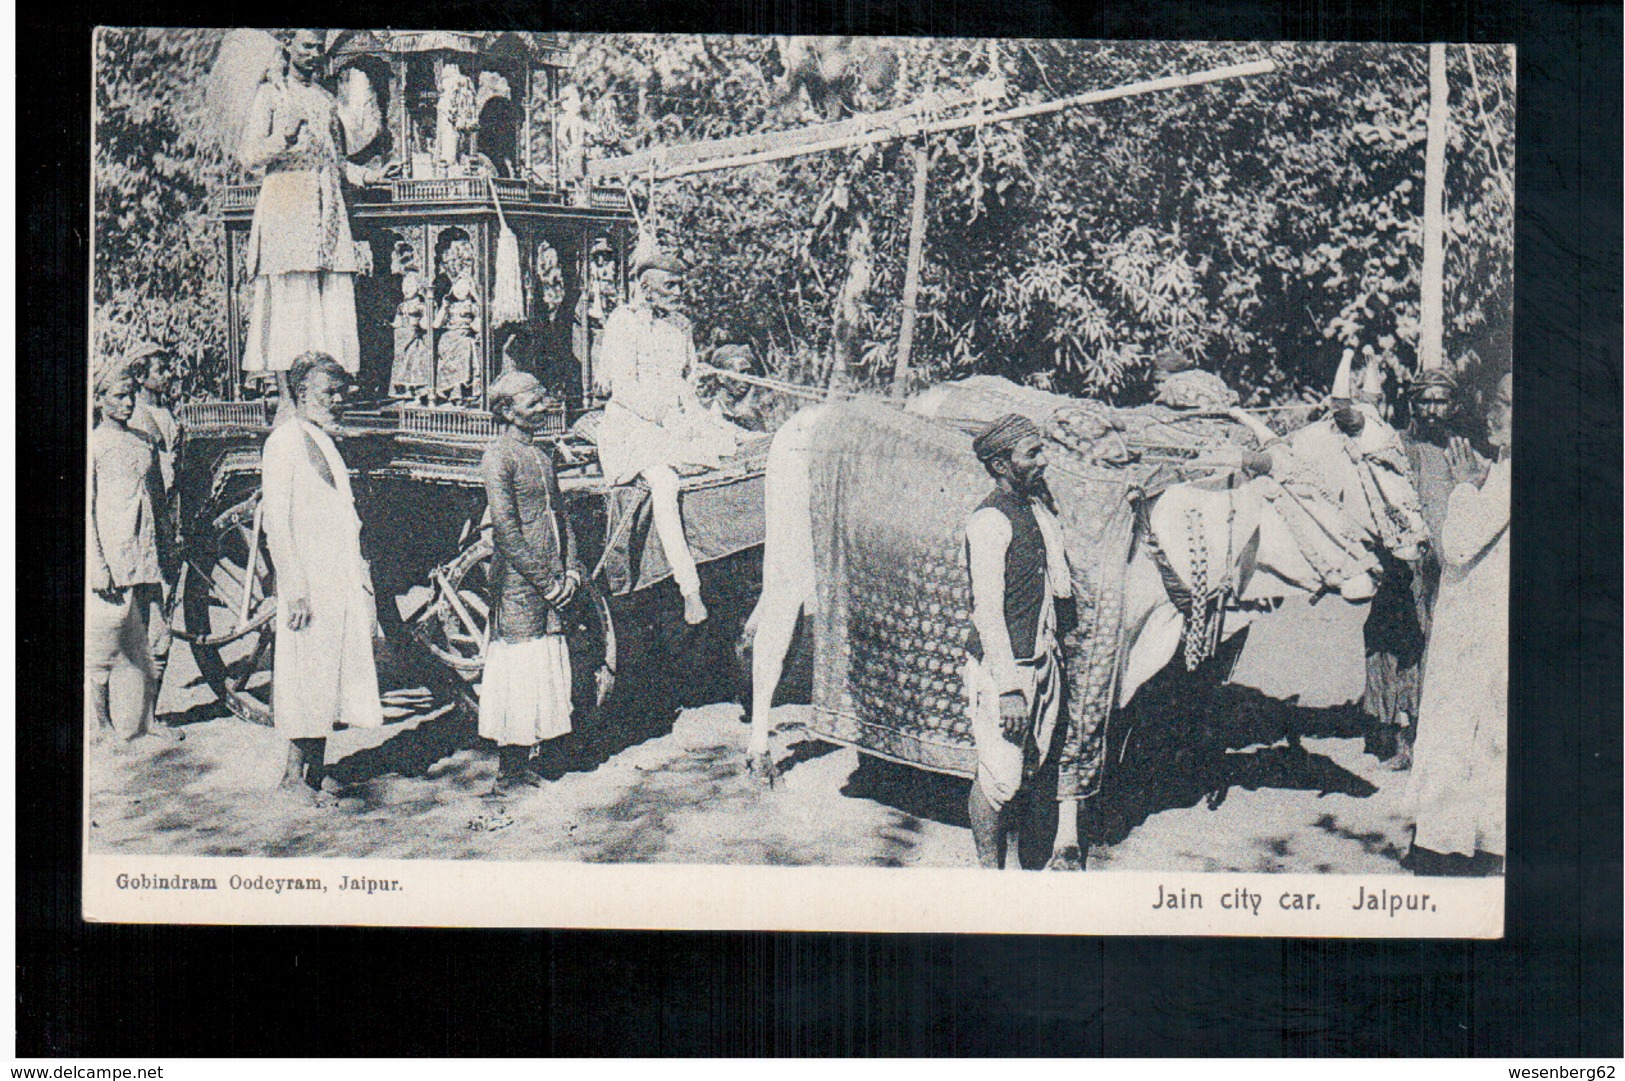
{"x":891,"y":492}
{"x":1105,"y":434}
{"x":1369,"y":476}
{"x":722,"y":515}
{"x":1314,"y":476}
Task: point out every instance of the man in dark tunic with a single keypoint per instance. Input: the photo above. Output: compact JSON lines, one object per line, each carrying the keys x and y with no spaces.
{"x":1013,"y":674}
{"x":535,"y":573}
{"x":1401,"y":617}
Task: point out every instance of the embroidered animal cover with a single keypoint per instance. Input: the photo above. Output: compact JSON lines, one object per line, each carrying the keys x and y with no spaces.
{"x":891,"y":491}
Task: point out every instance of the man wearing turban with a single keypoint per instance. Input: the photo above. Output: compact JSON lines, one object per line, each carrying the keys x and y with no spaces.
{"x":301,"y":255}
{"x":654,"y":422}
{"x":1018,"y":568}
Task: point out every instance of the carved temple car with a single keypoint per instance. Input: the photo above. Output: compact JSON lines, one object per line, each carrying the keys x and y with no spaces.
{"x":472,"y":121}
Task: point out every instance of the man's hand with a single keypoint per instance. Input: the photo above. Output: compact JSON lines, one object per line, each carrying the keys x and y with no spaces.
{"x":298,"y":614}
{"x":392,"y":171}
{"x":291,"y":135}
{"x":1465,"y":464}
{"x":1013,"y":715}
{"x":564,"y":592}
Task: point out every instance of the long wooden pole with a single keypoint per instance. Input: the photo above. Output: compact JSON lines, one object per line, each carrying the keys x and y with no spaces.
{"x":919,"y":126}
{"x":1431,"y":348}
{"x":911,"y":273}
{"x":682,"y":155}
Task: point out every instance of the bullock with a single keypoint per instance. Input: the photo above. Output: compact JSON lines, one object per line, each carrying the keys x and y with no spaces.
{"x":1303,"y":518}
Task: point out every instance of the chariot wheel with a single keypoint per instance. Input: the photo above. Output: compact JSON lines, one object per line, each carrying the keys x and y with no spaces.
{"x":454,"y":625}
{"x":227,"y":608}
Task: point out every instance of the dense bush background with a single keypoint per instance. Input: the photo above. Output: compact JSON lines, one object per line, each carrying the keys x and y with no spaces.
{"x":1261,"y":225}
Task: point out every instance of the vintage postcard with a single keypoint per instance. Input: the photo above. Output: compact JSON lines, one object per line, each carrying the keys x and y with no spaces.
{"x":570,"y":480}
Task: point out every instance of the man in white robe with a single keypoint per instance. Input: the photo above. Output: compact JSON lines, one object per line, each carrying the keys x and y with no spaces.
{"x":323,"y":675}
{"x":301,"y":254}
{"x":654,"y":422}
{"x":1458,"y":779}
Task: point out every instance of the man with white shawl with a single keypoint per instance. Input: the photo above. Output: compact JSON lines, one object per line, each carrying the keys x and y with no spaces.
{"x":324,"y":674}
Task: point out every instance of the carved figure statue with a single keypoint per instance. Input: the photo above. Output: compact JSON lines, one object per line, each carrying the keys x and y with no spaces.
{"x":573,"y":130}
{"x":454,"y":114}
{"x":458,"y":321}
{"x":413,"y":373}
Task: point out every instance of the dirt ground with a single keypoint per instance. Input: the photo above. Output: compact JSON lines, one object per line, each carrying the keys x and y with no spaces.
{"x":673,"y":788}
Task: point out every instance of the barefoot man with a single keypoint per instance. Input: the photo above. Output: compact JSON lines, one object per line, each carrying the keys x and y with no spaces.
{"x":301,"y":255}
{"x":151,"y":366}
{"x":654,"y":422}
{"x":535,"y":572}
{"x":323,"y":674}
{"x":1018,"y":568}
{"x":124,"y":581}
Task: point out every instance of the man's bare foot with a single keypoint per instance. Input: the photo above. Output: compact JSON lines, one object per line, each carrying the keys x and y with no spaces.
{"x":762,"y":768}
{"x":1069,"y":858}
{"x":298,"y":791}
{"x":694,"y":610}
{"x":515,"y":785}
{"x":133,"y":743}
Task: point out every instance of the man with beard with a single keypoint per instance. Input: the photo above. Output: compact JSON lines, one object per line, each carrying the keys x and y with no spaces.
{"x":1401,"y":617}
{"x":1018,"y":569}
{"x":301,"y":255}
{"x":323,"y":674}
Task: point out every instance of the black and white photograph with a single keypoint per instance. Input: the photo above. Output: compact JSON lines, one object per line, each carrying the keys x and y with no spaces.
{"x":654,"y":480}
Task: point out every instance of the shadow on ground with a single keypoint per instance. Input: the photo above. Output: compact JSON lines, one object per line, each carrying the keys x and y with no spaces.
{"x":1184,"y":740}
{"x":914,"y":792}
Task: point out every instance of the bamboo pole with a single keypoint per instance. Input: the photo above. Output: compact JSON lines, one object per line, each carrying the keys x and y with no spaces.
{"x":911,"y":273}
{"x":1431,"y":348}
{"x":685,"y":154}
{"x":908,"y":128}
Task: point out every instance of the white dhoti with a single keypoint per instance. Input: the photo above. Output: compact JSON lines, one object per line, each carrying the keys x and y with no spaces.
{"x":525,"y":691}
{"x":301,"y":312}
{"x":116,"y":645}
{"x":1003,"y":766}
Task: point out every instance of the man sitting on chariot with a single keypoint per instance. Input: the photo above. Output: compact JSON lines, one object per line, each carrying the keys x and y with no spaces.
{"x":654,"y":424}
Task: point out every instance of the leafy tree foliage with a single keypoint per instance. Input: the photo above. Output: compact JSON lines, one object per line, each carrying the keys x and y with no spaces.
{"x":158,"y":255}
{"x":1260,"y":225}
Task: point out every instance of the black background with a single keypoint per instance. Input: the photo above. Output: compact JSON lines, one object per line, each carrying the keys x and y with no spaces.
{"x":1552,"y":987}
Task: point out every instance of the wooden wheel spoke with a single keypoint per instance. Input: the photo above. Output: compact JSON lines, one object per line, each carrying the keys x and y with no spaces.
{"x":230,"y":572}
{"x":250,"y":666}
